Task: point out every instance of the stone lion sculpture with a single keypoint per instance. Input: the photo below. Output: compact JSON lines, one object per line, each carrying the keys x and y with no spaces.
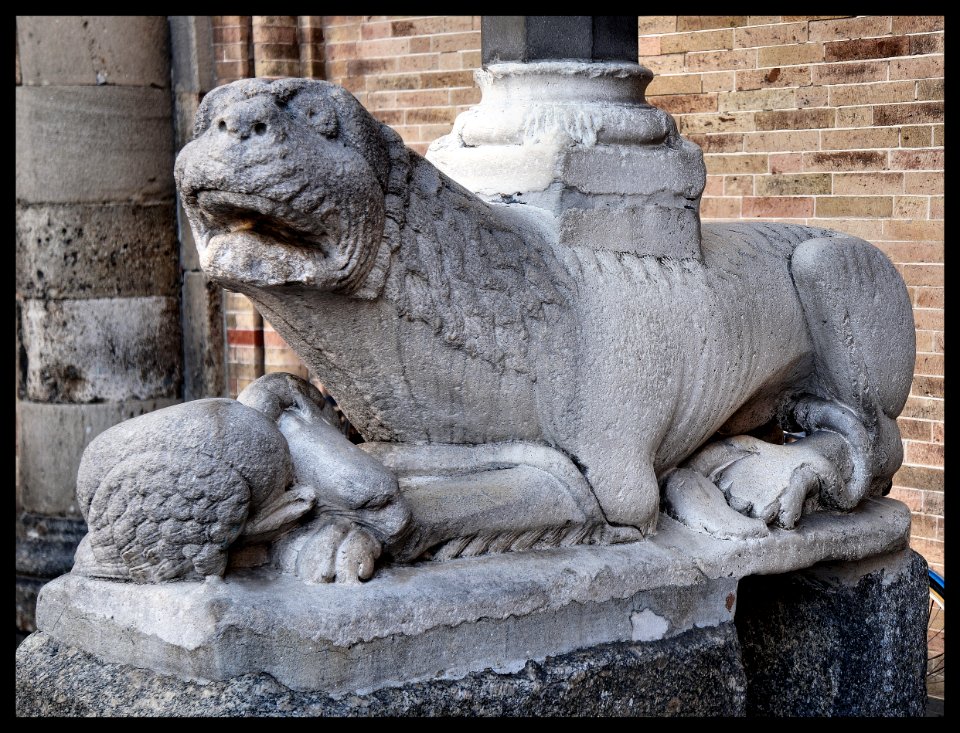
{"x":448,"y":326}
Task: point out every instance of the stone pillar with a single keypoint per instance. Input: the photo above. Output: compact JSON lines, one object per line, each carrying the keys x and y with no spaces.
{"x":193,"y":75}
{"x":98,"y":315}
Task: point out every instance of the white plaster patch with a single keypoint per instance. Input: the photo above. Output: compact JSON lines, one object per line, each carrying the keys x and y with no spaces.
{"x":648,"y":626}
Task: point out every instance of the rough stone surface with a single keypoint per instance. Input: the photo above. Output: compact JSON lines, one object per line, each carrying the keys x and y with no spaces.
{"x":96,"y":251}
{"x":434,"y":316}
{"x":697,"y":673}
{"x":45,"y":549}
{"x":831,"y":642}
{"x":100,"y":349}
{"x":93,"y":144}
{"x":444,"y":618}
{"x":203,"y":337}
{"x":69,"y":50}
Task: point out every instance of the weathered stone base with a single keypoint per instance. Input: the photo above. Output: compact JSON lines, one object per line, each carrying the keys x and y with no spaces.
{"x":697,"y":673}
{"x":828,"y":619}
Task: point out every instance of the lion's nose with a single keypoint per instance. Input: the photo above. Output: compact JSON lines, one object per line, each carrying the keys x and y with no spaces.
{"x":242,"y":120}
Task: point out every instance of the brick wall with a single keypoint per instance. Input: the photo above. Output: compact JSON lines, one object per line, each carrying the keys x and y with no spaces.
{"x":833,"y":121}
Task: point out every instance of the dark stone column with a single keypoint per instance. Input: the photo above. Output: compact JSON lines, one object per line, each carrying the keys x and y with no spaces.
{"x":553,"y":37}
{"x":839,"y":639}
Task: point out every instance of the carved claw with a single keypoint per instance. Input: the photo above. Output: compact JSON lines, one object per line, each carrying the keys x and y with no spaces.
{"x":339,"y":550}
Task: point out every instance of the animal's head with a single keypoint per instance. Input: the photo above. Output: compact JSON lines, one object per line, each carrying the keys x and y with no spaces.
{"x":284,"y":183}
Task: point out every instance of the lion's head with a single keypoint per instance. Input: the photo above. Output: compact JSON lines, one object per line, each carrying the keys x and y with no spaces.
{"x":284,"y":183}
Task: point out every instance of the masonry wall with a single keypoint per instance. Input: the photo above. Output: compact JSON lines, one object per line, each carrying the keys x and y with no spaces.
{"x":834,"y":121}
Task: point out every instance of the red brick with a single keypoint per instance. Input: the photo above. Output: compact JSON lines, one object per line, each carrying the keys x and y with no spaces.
{"x":342,"y":34}
{"x":936,"y":207}
{"x":245,"y":338}
{"x":931,"y":550}
{"x":933,"y":500}
{"x":362,"y":67}
{"x":923,"y":454}
{"x":920,"y":273}
{"x":649,"y":46}
{"x":867,"y":48}
{"x":915,"y":429}
{"x":778,"y":207}
{"x":738,"y":185}
{"x":274,"y":20}
{"x":928,"y":385}
{"x":913,"y":498}
{"x":928,"y":319}
{"x":786,"y":163}
{"x":713,"y":186}
{"x":930,"y":298}
{"x":915,"y":252}
{"x":801,"y":119}
{"x":372,"y":31}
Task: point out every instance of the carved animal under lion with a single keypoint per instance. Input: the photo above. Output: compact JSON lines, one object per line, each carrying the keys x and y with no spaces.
{"x":527,"y":393}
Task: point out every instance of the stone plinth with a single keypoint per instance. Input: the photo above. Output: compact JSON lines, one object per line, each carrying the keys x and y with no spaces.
{"x":485,"y":619}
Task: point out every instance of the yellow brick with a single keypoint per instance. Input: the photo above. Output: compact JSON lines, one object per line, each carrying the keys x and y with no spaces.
{"x":861,"y":207}
{"x":847,"y":95}
{"x":780,"y":34}
{"x":863,"y":27}
{"x":672,"y":63}
{"x":761,"y":99}
{"x":780,"y":141}
{"x":792,"y":184}
{"x":708,"y":22}
{"x":878,"y":137}
{"x":745,"y":58}
{"x":730,"y":122}
{"x":682,"y":84}
{"x":916,"y":136}
{"x":718,"y":81}
{"x":790,"y":55}
{"x":867,"y":183}
{"x":648,"y":24}
{"x":736,"y":163}
{"x":914,"y":230}
{"x":911,"y":207}
{"x":698,"y":41}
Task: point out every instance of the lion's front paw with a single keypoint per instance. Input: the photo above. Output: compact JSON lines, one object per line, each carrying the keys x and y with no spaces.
{"x":770,"y":482}
{"x":335,"y":549}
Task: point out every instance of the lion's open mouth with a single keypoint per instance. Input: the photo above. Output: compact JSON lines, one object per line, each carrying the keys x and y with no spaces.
{"x":228,"y":214}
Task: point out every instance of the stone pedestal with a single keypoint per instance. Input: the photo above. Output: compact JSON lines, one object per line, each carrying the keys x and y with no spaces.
{"x":646,"y":628}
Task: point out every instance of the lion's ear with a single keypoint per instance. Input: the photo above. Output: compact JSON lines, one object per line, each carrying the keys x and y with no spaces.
{"x":361,"y":131}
